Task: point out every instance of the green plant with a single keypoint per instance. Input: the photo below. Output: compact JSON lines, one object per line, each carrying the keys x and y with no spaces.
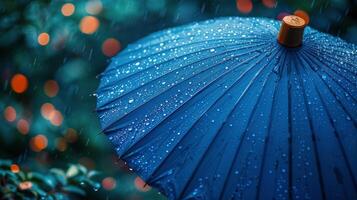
{"x":56,"y":184}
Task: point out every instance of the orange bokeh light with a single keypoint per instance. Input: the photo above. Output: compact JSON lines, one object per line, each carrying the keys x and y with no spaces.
{"x":25,"y":185}
{"x":244,"y":6}
{"x":141,"y":185}
{"x":89,"y":24}
{"x":43,"y":39}
{"x":303,"y":15}
{"x":109,"y":183}
{"x":269,"y":3}
{"x":51,"y":88}
{"x":56,"y":118}
{"x":68,"y":9}
{"x":10,"y":114}
{"x":46,"y":110}
{"x":23,"y":126}
{"x":49,"y":112}
{"x":19,"y":83}
{"x":110,"y":47}
{"x":15,"y":168}
{"x":38,"y":143}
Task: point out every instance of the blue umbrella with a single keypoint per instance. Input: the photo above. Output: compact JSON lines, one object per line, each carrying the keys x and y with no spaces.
{"x":220,"y":110}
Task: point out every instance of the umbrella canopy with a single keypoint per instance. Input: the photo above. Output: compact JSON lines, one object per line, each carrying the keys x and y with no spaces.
{"x":220,"y":110}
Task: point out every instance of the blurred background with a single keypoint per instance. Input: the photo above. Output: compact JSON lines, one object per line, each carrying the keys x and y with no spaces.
{"x":51,"y":53}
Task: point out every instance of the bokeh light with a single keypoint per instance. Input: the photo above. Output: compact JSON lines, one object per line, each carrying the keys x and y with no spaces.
{"x":25,"y":185}
{"x":43,"y":39}
{"x":10,"y":114}
{"x":141,"y":185}
{"x":23,"y":126}
{"x":38,"y":143}
{"x":269,"y":3}
{"x":89,"y":24}
{"x":19,"y":83}
{"x":109,"y":183}
{"x":46,"y":110}
{"x":303,"y":15}
{"x":244,"y":6}
{"x":56,"y":118}
{"x":68,"y":9}
{"x":94,"y":7}
{"x":110,"y":47}
{"x":14,"y":168}
{"x":51,"y":88}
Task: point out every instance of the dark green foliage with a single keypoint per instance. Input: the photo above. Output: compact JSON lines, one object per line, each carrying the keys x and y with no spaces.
{"x":58,"y":184}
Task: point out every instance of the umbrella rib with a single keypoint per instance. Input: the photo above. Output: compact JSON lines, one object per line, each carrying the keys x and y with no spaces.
{"x":110,"y":70}
{"x":179,"y":83}
{"x":322,"y":37}
{"x":170,"y":72}
{"x":238,"y":80}
{"x":159,"y":37}
{"x":309,"y":60}
{"x":272,"y":112}
{"x":339,"y":101}
{"x":311,"y":44}
{"x":311,"y":127}
{"x":167,"y":35}
{"x":230,"y":113}
{"x":202,"y":90}
{"x":315,"y":53}
{"x":333,"y":94}
{"x":176,"y":47}
{"x":235,"y":157}
{"x":183,"y":45}
{"x":348,"y":164}
{"x":317,"y":48}
{"x":290,"y":132}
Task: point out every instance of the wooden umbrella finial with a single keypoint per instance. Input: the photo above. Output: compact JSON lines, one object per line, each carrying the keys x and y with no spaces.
{"x":291,"y":31}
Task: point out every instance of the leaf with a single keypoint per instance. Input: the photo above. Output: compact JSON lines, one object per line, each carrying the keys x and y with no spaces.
{"x":57,"y":171}
{"x":72,"y":171}
{"x":50,"y":197}
{"x":47,"y":182}
{"x":5,"y":164}
{"x":12,"y":188}
{"x":59,"y":175}
{"x":21,"y":175}
{"x":92,"y":173}
{"x":60,"y":196}
{"x":38,"y":190}
{"x":78,"y":180}
{"x":93,"y":184}
{"x":82,"y":169}
{"x":74,"y":190}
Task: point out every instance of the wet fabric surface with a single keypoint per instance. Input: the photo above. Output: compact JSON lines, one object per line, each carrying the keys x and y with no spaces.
{"x":219,"y":110}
